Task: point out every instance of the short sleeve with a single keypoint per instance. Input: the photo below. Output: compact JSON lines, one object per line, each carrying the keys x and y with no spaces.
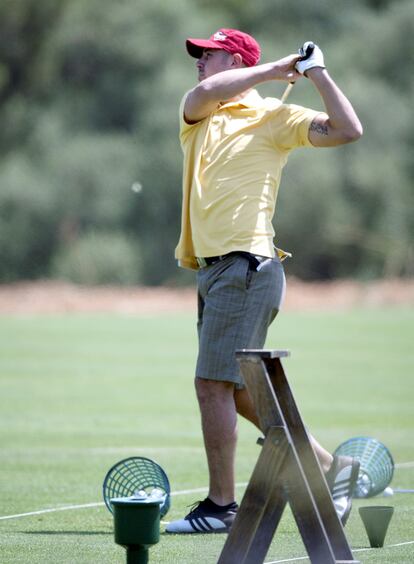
{"x":186,"y":128}
{"x":290,"y":126}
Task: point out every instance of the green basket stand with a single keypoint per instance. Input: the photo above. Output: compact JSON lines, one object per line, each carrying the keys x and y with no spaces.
{"x":136,"y":526}
{"x":136,"y":474}
{"x":376,"y":465}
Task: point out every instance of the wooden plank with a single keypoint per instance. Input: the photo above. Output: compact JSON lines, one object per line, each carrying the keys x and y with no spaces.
{"x":261,"y":353}
{"x":287,"y":471}
{"x":306,"y":513}
{"x":314,"y":475}
{"x":261,"y":393}
{"x":261,"y":507}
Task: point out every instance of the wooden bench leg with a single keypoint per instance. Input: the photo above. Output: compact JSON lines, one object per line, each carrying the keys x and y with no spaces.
{"x":287,"y":471}
{"x":261,"y":507}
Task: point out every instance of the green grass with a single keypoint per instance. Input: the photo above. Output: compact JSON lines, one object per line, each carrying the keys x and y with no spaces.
{"x":78,"y":393}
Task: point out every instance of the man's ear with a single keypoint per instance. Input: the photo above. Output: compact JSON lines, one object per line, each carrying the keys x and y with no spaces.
{"x":237,"y":60}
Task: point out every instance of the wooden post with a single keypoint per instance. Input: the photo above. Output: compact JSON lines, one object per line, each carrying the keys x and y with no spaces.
{"x":287,"y":471}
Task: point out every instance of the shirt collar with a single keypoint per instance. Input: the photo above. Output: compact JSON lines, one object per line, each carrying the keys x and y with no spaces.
{"x":251,"y":99}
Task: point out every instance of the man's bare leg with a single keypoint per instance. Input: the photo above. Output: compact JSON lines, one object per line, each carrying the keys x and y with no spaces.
{"x":219,"y":425}
{"x":246,"y":409}
{"x":325,"y":458}
{"x":244,"y":406}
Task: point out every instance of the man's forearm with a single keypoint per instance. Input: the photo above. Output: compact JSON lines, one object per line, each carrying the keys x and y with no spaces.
{"x":231,"y":83}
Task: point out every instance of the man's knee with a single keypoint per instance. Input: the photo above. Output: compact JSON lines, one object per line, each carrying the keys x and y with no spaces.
{"x":213,"y":391}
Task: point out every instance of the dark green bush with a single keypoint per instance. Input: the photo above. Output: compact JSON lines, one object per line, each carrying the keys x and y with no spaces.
{"x":27,"y":221}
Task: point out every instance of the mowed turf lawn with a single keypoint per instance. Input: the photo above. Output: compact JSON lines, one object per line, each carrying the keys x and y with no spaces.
{"x":79,"y":393}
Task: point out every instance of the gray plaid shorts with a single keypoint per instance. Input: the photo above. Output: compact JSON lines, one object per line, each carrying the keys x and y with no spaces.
{"x":236,"y":305}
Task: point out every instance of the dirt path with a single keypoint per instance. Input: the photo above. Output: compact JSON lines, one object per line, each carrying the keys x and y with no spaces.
{"x":57,"y":297}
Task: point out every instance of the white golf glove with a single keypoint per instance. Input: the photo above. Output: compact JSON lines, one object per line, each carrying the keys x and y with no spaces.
{"x":311,"y":57}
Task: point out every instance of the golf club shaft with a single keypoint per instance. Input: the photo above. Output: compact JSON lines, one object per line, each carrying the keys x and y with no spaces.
{"x":287,"y":92}
{"x":309,"y":50}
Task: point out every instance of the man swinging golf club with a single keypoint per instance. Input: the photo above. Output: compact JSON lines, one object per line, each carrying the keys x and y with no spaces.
{"x":235,"y":144}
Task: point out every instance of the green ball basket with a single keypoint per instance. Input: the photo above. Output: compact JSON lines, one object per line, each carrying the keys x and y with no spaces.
{"x":376,"y":465}
{"x":133,"y":474}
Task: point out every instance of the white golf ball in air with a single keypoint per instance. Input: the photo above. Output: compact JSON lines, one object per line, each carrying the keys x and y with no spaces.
{"x":136,"y":187}
{"x":388,"y":492}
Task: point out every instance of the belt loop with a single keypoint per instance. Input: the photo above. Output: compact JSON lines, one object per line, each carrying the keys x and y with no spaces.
{"x":201,"y":262}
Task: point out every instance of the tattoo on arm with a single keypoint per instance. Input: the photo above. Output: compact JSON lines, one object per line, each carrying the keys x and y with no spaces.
{"x":319,"y":128}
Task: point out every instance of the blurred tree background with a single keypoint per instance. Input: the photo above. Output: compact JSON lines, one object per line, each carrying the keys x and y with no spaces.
{"x":90,"y":164}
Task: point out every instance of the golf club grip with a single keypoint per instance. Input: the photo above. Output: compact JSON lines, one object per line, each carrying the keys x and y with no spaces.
{"x":309,"y":50}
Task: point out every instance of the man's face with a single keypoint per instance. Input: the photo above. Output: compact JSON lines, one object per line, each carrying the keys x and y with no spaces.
{"x":213,"y":61}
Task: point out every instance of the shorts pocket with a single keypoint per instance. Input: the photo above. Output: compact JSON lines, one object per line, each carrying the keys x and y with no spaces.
{"x":249,"y":275}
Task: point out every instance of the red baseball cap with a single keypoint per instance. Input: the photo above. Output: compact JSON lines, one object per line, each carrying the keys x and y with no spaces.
{"x":232,"y":41}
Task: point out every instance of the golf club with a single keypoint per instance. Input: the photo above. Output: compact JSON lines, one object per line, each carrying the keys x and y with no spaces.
{"x":309,"y":50}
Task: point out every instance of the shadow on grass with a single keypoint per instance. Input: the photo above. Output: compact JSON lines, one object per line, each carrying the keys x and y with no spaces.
{"x":86,"y":533}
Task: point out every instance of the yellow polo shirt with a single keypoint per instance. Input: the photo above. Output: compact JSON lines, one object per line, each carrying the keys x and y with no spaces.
{"x":233,"y":160}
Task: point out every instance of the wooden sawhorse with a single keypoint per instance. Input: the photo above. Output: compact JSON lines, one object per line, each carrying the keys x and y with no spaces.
{"x":287,"y":471}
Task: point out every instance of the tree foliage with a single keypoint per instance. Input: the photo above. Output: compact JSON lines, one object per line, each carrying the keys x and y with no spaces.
{"x":89,"y":95}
